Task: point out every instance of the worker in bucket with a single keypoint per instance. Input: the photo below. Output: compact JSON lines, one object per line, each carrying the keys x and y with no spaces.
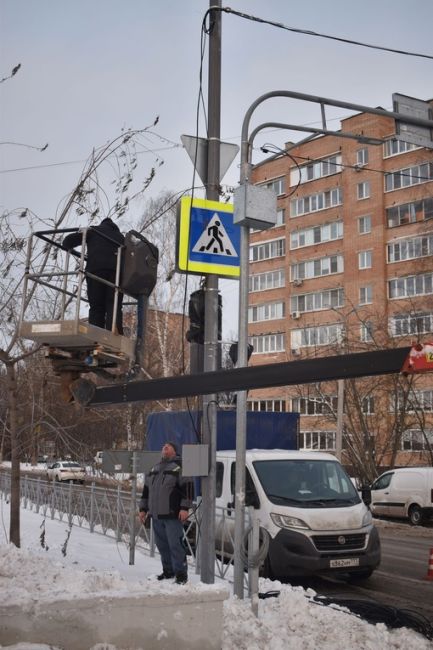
{"x":102,"y":243}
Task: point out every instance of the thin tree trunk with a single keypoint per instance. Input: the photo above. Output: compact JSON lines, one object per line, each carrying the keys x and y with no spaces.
{"x":14,"y":530}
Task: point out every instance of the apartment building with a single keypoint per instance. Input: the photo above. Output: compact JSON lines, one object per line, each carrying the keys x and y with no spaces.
{"x":348,"y":267}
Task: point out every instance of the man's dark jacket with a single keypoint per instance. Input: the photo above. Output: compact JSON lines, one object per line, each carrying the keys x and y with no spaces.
{"x":166,"y":491}
{"x":101,"y":252}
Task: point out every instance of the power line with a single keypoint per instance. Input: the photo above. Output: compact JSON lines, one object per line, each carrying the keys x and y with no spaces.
{"x":309,"y":32}
{"x":76,"y":162}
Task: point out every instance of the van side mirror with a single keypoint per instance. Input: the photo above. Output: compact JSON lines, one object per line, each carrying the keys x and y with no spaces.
{"x":366,"y":494}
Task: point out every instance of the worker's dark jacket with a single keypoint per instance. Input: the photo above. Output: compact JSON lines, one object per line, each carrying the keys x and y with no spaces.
{"x":101,"y":253}
{"x":165,"y":491}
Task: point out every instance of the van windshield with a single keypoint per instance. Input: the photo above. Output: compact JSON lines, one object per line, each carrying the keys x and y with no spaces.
{"x":306,"y":483}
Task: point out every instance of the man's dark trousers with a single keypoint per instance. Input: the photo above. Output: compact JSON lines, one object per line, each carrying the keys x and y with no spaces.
{"x":168,"y":538}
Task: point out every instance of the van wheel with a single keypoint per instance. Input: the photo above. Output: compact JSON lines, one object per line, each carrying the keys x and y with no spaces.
{"x":415,"y":515}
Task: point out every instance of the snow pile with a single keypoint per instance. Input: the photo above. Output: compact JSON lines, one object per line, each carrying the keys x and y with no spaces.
{"x":291,"y":621}
{"x":96,"y":564}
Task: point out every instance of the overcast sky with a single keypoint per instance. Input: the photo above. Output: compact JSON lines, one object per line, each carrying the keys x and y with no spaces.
{"x":91,"y":67}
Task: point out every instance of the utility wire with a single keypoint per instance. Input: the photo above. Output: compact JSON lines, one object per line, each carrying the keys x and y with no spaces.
{"x":309,"y":32}
{"x":358,"y":168}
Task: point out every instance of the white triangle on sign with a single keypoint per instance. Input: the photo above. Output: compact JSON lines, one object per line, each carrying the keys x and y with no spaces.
{"x":214,"y":240}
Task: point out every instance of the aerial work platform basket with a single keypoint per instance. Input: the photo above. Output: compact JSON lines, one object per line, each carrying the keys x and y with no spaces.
{"x":73,"y":345}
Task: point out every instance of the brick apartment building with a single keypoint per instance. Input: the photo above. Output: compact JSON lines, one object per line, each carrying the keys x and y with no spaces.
{"x":348,"y":267}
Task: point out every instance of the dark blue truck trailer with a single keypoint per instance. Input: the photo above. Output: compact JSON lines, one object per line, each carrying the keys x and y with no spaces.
{"x":264,"y":430}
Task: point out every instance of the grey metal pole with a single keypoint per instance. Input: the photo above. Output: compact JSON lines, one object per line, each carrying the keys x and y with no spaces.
{"x":209,"y":428}
{"x":340,"y":419}
{"x":133,"y":508}
{"x":241,"y":404}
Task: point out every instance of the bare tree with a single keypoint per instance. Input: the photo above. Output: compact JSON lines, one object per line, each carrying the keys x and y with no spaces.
{"x":105,"y":188}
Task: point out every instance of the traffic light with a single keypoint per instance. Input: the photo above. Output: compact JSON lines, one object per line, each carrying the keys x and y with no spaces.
{"x":195,"y":334}
{"x":140,"y":265}
{"x":233,"y":352}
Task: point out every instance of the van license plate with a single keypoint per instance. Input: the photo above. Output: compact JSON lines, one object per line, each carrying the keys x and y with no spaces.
{"x":337,"y":564}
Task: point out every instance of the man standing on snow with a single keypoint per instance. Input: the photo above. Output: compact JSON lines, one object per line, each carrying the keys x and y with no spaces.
{"x":167,"y":498}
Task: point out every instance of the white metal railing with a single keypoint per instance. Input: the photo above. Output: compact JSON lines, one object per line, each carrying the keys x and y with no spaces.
{"x":107,"y":511}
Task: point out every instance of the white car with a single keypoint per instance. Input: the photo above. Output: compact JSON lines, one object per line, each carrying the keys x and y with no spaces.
{"x":66,"y":470}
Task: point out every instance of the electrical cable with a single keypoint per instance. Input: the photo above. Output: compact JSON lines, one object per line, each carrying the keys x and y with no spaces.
{"x":265,"y":149}
{"x":309,"y":32}
{"x":374,"y":612}
{"x":256,"y":560}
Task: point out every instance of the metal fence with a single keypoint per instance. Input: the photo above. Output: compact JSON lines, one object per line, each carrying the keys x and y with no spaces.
{"x":113,"y":512}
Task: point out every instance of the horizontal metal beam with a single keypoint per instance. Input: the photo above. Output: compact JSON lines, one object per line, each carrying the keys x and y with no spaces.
{"x":344,"y":366}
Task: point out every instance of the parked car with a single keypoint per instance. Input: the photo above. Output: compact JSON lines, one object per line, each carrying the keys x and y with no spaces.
{"x":66,"y":470}
{"x":98,"y":458}
{"x":404,"y":492}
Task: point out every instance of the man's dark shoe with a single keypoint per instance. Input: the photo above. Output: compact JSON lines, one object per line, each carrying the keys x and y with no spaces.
{"x":165,"y":575}
{"x":181,"y":578}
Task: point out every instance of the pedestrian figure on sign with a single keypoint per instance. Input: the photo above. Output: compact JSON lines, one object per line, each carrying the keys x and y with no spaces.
{"x":215,"y":233}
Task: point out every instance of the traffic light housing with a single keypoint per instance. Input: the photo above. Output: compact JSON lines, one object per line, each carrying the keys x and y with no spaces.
{"x":195,"y":334}
{"x":233,"y":352}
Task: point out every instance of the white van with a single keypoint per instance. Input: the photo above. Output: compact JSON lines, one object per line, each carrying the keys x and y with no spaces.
{"x":316,"y":521}
{"x":404,"y":492}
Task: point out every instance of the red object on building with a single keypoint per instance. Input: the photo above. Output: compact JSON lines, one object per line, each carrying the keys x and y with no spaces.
{"x":419,"y":359}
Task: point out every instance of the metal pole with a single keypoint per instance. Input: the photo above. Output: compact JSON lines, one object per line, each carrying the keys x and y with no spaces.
{"x":241,"y":405}
{"x":340,"y":419}
{"x":207,"y":548}
{"x":92,"y":507}
{"x":132,"y":510}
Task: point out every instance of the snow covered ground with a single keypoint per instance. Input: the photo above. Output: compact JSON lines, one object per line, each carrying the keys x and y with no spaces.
{"x":85,"y":563}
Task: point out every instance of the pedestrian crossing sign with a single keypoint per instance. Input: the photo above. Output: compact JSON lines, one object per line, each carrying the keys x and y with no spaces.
{"x":208,"y":240}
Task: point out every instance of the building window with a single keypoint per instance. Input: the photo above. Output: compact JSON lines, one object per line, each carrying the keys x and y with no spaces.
{"x":362,"y":157}
{"x":323,"y":440}
{"x":269,"y":280}
{"x":316,"y":169}
{"x":273,"y":405}
{"x":406,"y":324}
{"x":315,"y":336}
{"x":317,"y":301}
{"x":281,"y":218}
{"x":410,"y":249}
{"x":315,"y":405}
{"x":363,"y":190}
{"x":316,"y":202}
{"x":277,"y":185}
{"x":367,"y":405}
{"x":366,"y":332}
{"x":411,"y":285}
{"x":317,"y":268}
{"x":267,"y":343}
{"x":409,"y":176}
{"x":364,"y":259}
{"x":366,"y":295}
{"x":364,"y":225}
{"x":417,"y":400}
{"x":395,"y":147}
{"x":268,"y":311}
{"x":267,"y":250}
{"x":417,"y":440}
{"x":400,"y":215}
{"x":316,"y":235}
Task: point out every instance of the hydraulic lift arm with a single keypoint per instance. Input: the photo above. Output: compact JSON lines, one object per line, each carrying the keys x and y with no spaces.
{"x":344,"y":366}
